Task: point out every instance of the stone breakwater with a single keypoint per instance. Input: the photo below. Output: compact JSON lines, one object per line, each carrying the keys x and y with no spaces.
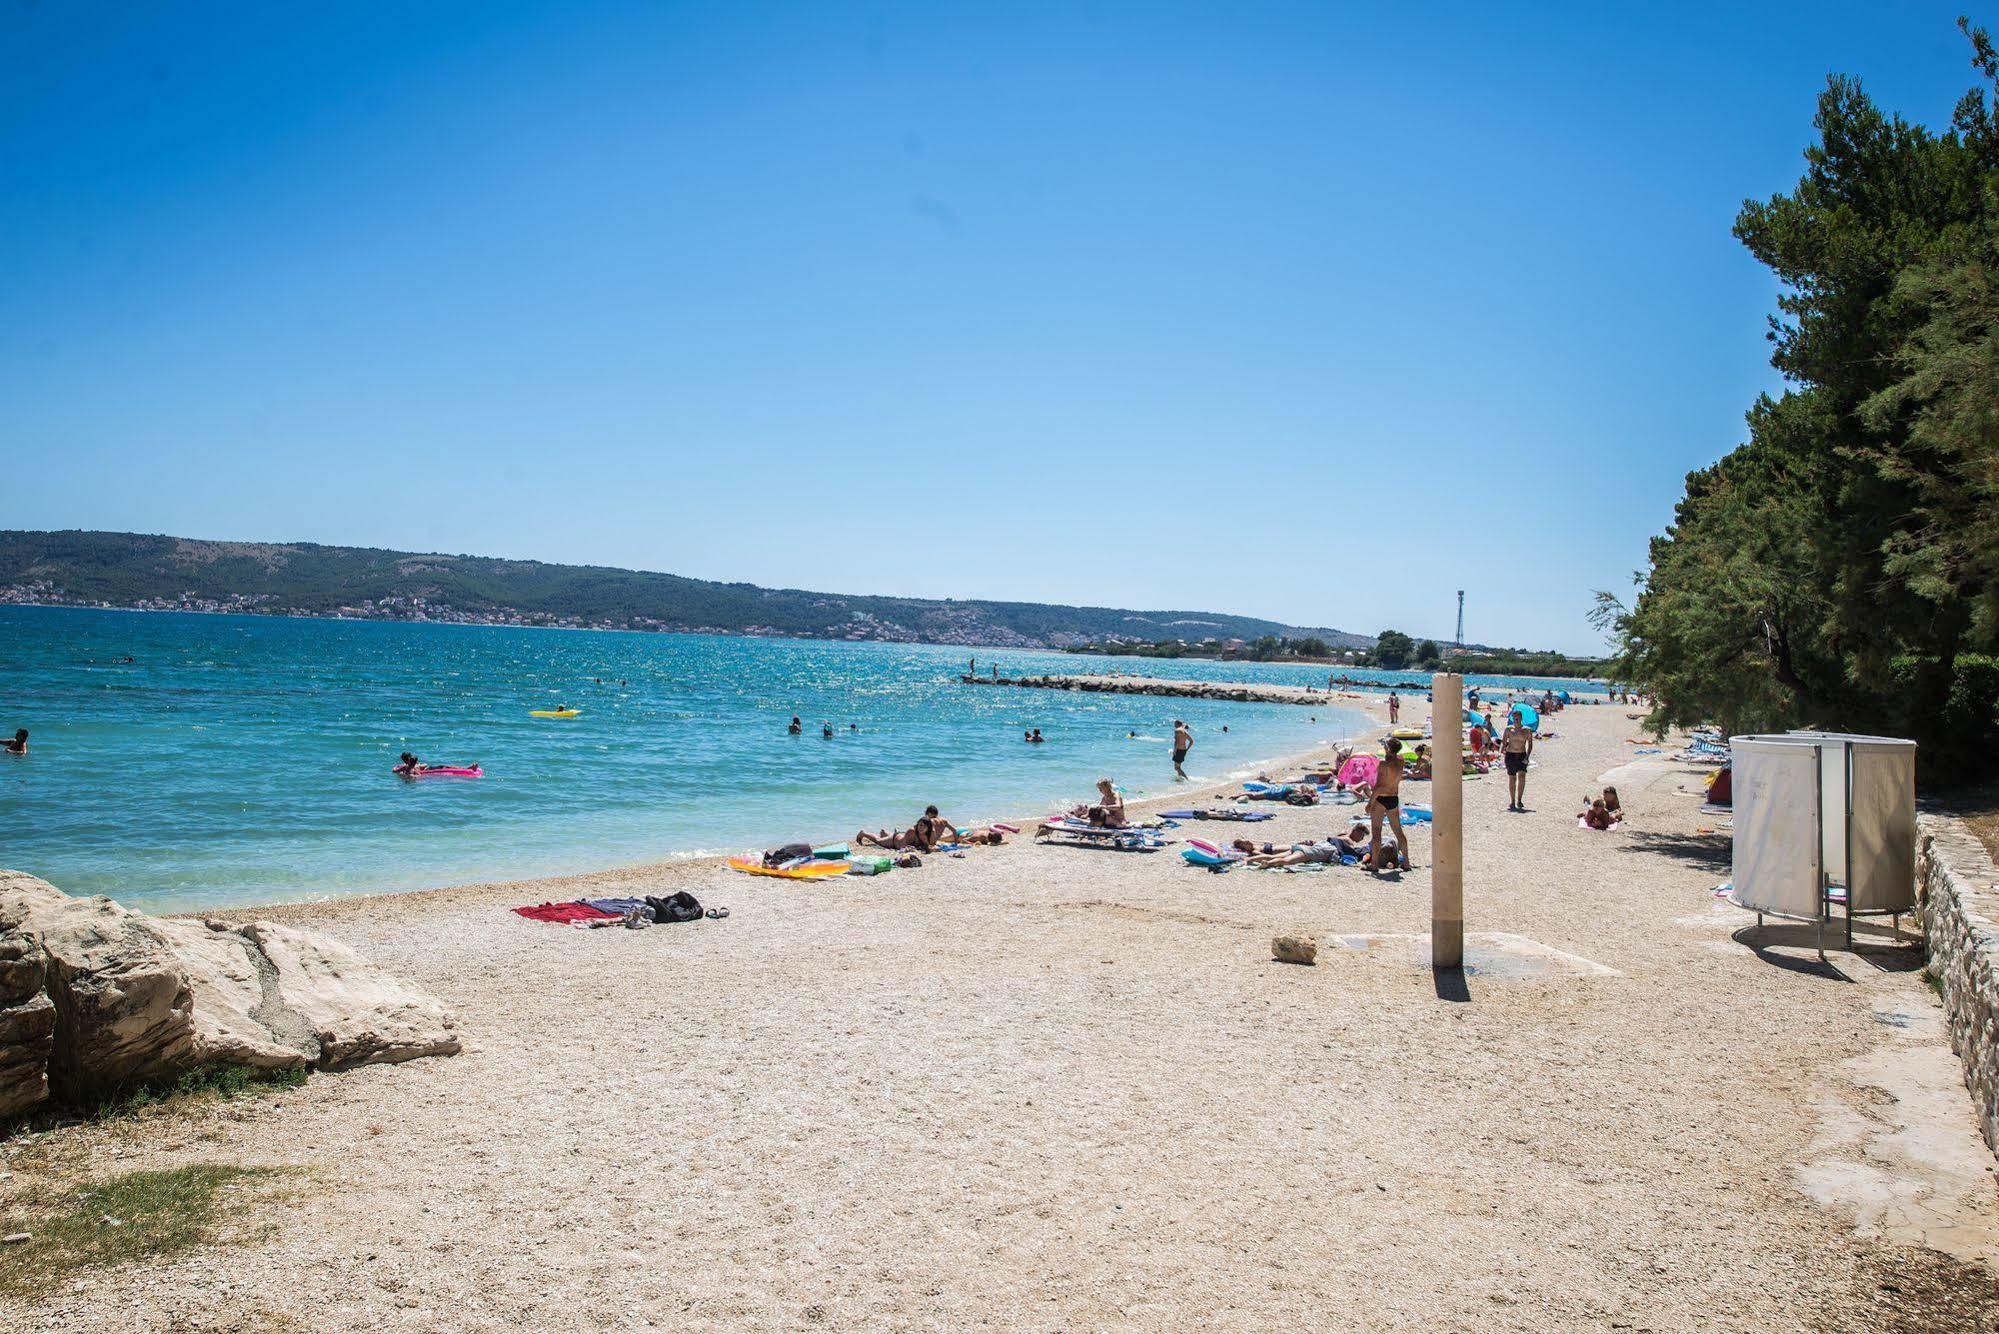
{"x":1143,"y":685}
{"x":1958,"y":897}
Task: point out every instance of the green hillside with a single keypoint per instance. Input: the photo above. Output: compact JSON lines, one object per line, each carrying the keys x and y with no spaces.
{"x":137,"y":570}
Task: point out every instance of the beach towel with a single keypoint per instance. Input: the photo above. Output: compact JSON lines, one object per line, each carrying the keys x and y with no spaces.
{"x":1359,"y":769}
{"x":576,"y":911}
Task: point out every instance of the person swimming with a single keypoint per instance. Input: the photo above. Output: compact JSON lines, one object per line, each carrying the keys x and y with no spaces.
{"x":1036,"y":737}
{"x":796,"y":726}
{"x":826,"y":730}
{"x":16,"y":744}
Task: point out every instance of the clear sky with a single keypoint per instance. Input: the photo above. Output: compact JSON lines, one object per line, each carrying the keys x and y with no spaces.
{"x":1318,"y":312}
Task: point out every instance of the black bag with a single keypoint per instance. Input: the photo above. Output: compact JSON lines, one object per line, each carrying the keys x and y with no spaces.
{"x":679,"y":907}
{"x":790,"y":852}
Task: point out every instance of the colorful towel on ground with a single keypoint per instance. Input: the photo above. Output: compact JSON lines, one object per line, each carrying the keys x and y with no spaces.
{"x":577,"y":911}
{"x":615,"y":907}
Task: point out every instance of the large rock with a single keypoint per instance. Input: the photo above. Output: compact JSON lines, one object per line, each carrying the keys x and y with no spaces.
{"x":239,"y":1018}
{"x":124,"y":1008}
{"x":357,"y":1012}
{"x":95,"y":997}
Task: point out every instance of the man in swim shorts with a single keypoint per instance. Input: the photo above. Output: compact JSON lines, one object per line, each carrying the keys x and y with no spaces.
{"x":1518,"y":746}
{"x":1183,"y":741}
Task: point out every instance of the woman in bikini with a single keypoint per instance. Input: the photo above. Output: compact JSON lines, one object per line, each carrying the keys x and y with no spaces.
{"x":1386,"y":804}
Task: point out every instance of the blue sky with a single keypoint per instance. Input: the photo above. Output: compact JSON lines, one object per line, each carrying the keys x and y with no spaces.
{"x":1317,"y":312}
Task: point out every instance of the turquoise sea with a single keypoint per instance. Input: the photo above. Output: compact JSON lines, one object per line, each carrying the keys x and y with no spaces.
{"x":186,"y":761}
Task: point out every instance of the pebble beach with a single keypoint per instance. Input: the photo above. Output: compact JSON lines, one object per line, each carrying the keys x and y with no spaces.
{"x":1045,"y":1087}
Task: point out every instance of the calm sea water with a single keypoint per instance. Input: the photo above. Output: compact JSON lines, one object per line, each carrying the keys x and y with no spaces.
{"x":244,"y":759}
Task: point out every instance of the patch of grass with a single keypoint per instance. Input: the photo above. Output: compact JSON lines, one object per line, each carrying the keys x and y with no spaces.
{"x":182,"y":1093}
{"x":1934,"y":982}
{"x":156,"y":1213}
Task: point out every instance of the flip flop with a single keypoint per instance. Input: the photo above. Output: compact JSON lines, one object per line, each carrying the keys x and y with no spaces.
{"x":718,"y":913}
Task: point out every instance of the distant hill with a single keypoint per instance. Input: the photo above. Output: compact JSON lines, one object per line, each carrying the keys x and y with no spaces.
{"x":80,"y":568}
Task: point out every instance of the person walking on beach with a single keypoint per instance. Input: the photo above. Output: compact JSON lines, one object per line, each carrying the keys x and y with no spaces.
{"x":1518,"y":744}
{"x":1183,"y":741}
{"x":1394,"y":708}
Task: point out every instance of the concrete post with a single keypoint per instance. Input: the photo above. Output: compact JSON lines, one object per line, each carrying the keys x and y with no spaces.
{"x":1447,"y":824}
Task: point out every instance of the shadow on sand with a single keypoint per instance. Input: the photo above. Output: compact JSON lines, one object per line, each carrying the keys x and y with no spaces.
{"x":1709,"y":852}
{"x":1794,"y":946}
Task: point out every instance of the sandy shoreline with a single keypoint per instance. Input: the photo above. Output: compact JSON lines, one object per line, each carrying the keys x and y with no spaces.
{"x":1048,"y":1088}
{"x":677,"y":872}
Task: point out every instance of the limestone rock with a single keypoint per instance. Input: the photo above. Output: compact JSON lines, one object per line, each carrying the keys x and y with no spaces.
{"x":238,"y":1017}
{"x":1294,"y":949}
{"x":21,"y":967}
{"x":27,"y":1019}
{"x":355,"y":1011}
{"x":124,"y":1011}
{"x":27,"y":1036}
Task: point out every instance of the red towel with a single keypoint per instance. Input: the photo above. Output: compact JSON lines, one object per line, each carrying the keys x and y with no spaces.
{"x":578,"y":911}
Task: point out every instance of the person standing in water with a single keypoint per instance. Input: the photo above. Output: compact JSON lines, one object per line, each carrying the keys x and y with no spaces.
{"x":1183,"y":741}
{"x":796,"y":726}
{"x":1518,"y":744}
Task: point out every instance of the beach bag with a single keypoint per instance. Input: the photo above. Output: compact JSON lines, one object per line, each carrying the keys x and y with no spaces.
{"x":790,"y":852}
{"x":678,"y":907}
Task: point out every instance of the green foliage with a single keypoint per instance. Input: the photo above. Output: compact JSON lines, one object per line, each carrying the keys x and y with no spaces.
{"x":178,"y":1092}
{"x":1841,"y":567}
{"x":1428,"y":654}
{"x":1393,"y":649}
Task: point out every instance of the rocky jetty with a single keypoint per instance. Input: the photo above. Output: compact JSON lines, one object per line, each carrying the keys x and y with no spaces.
{"x":95,"y":997}
{"x":1144,"y":685}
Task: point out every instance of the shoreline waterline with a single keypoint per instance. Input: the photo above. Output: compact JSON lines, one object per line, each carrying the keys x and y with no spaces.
{"x":672,"y":872}
{"x":200,"y":761}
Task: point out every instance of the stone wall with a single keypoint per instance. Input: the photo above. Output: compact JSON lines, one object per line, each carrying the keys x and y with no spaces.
{"x":1957,"y":888}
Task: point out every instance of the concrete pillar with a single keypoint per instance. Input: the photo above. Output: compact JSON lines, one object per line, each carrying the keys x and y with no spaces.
{"x":1447,"y":823}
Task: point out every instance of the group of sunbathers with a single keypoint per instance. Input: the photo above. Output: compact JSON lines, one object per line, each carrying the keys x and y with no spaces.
{"x":1356,"y":843}
{"x":927,"y":834}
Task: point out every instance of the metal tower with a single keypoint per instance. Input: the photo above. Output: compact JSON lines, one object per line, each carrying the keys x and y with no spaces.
{"x":1461,"y":618}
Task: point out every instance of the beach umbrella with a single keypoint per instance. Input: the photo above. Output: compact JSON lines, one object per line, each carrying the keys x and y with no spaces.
{"x":1473,"y":720}
{"x":1360,"y":769}
{"x":1529,"y":715}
